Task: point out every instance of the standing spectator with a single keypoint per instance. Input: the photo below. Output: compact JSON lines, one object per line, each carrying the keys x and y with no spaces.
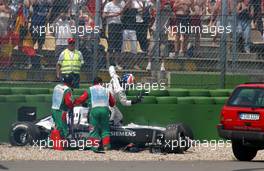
{"x":90,"y":6}
{"x":142,"y":22}
{"x":255,"y":5}
{"x":182,"y":9}
{"x":262,"y":6}
{"x":129,"y":26}
{"x":245,"y":14}
{"x":112,"y":13}
{"x":74,"y":7}
{"x":58,"y":7}
{"x":22,"y":20}
{"x":70,"y":62}
{"x":4,"y":17}
{"x":41,"y":10}
{"x":21,"y":15}
{"x":62,"y":34}
{"x":199,"y":11}
{"x":165,"y":14}
{"x":217,"y":13}
{"x":5,"y":47}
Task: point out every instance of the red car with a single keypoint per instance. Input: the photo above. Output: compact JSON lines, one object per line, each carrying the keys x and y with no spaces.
{"x":242,"y":120}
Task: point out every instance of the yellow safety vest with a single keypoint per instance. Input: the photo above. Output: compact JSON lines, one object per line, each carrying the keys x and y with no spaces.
{"x":71,"y":65}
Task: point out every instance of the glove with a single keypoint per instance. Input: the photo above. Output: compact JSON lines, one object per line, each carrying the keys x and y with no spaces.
{"x":84,"y":105}
{"x":138,"y":99}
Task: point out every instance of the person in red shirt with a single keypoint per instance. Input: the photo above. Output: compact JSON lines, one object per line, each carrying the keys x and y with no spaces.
{"x":99,"y":99}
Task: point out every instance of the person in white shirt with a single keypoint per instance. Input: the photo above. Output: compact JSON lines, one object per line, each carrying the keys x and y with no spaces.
{"x":119,"y":94}
{"x":112,"y":14}
{"x":62,"y":32}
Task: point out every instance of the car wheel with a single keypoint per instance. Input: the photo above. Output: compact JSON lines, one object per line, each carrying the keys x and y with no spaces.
{"x":23,"y":133}
{"x":175,"y":140}
{"x":188,"y":136}
{"x":242,"y":152}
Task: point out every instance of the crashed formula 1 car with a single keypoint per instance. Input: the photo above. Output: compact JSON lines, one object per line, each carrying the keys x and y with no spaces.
{"x":175,"y":138}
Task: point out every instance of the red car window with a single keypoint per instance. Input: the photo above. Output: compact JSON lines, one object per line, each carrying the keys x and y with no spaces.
{"x":247,"y":96}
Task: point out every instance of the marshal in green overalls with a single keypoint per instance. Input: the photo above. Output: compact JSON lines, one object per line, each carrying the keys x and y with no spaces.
{"x":99,"y":115}
{"x":59,"y":108}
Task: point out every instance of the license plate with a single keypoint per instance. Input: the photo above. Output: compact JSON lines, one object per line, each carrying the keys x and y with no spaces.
{"x":249,"y":116}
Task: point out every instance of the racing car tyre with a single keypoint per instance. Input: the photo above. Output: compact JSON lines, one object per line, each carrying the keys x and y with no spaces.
{"x":23,"y":133}
{"x":242,"y":152}
{"x":175,"y":138}
{"x":188,"y":135}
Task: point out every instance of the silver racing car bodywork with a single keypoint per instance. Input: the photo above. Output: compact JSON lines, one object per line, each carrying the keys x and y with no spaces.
{"x":143,"y":136}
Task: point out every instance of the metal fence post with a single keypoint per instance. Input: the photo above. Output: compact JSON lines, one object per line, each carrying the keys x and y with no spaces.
{"x":77,"y":22}
{"x":223,"y":44}
{"x":234,"y":37}
{"x":156,"y":37}
{"x":96,"y":37}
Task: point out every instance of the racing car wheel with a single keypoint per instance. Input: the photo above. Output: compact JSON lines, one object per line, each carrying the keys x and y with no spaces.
{"x":178,"y":138}
{"x":23,"y":133}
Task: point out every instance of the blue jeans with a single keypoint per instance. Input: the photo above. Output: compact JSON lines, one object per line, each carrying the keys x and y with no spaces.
{"x":244,"y":27}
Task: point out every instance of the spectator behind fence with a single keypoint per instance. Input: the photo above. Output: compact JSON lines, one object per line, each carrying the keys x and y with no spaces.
{"x":41,"y":11}
{"x":245,"y":15}
{"x":129,"y":33}
{"x":217,"y":14}
{"x":165,"y":14}
{"x":90,"y":7}
{"x":74,"y":7}
{"x":86,"y":40}
{"x":5,"y":48}
{"x":182,"y":9}
{"x":142,"y":22}
{"x":70,"y":62}
{"x":257,"y":22}
{"x":21,"y":33}
{"x":59,"y":7}
{"x":22,"y":23}
{"x":112,"y":13}
{"x":63,"y":25}
{"x":4,"y":17}
{"x":199,"y":10}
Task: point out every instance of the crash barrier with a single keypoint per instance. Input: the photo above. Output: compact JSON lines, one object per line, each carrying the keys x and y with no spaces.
{"x":201,"y":113}
{"x":210,"y":80}
{"x":167,"y":92}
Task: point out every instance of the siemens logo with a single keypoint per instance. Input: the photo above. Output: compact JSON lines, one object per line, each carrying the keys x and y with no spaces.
{"x":124,"y":134}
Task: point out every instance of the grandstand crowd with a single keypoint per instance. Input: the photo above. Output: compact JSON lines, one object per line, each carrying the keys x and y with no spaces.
{"x":122,"y":23}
